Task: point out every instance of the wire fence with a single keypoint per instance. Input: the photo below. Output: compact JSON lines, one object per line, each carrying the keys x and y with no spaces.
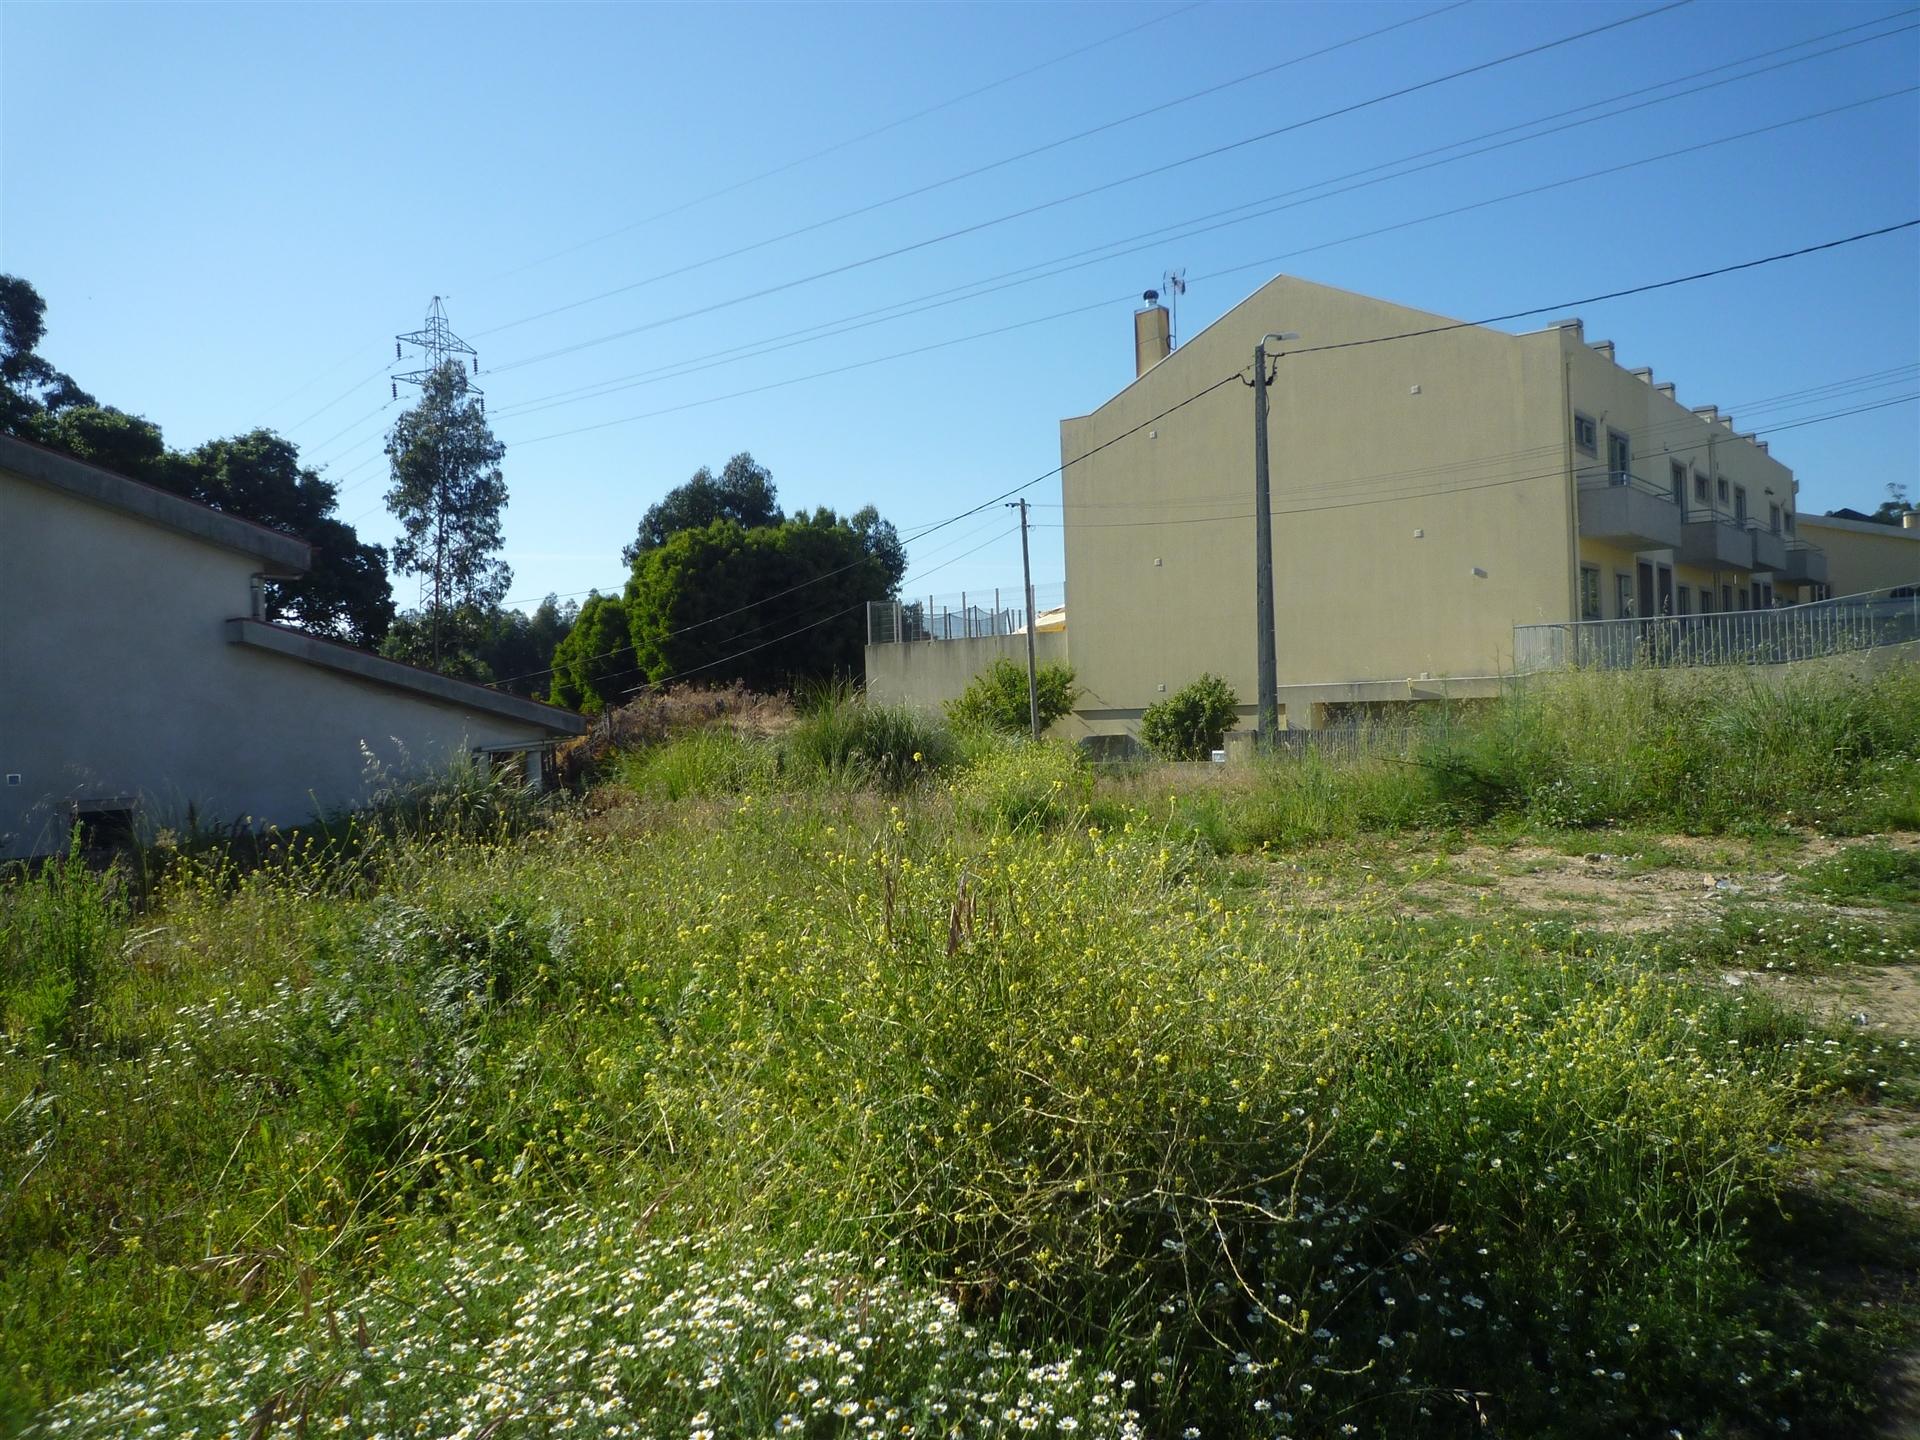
{"x":1727,"y":637}
{"x":966,"y":615}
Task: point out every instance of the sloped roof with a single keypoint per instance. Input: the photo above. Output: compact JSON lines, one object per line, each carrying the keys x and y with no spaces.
{"x":364,"y":665}
{"x":284,"y":555}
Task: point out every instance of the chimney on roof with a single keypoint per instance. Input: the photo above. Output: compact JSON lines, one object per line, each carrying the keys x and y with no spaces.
{"x":1152,"y":334}
{"x":1604,"y":349}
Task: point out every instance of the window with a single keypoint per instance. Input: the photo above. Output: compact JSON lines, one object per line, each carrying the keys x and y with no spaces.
{"x":1788,"y":517}
{"x":1586,"y":434}
{"x":1726,"y":597}
{"x":1706,"y":599}
{"x":1740,"y":503}
{"x":1589,"y":592}
{"x":1685,"y":597}
{"x":1622,"y":595}
{"x":1723,"y":491}
{"x":1773,"y":518}
{"x":1766,"y":596}
{"x":1701,"y":487}
{"x":1679,"y":483}
{"x":1619,"y":456}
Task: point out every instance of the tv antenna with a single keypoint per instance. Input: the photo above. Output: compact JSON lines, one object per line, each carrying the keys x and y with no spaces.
{"x":1174,"y":285}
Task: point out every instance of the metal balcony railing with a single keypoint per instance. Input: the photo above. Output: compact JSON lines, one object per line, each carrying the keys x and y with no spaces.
{"x":1604,"y":479}
{"x":1726,"y":637}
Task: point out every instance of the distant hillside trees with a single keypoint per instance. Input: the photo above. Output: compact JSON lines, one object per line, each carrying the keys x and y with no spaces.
{"x":256,"y":476}
{"x":496,"y":646}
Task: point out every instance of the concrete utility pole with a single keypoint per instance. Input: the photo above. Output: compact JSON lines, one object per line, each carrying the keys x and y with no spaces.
{"x":1267,"y":721}
{"x":1026,"y":570}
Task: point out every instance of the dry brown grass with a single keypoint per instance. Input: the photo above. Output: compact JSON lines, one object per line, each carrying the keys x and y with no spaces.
{"x":657,"y":716}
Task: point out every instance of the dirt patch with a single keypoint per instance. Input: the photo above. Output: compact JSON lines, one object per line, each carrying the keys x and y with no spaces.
{"x":1629,"y":893}
{"x":1618,"y":893}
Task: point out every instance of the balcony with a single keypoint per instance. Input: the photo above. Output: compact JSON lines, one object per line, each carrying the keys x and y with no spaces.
{"x":1717,"y":543}
{"x":1769,"y":547}
{"x":1806,"y":564}
{"x":1620,"y":506}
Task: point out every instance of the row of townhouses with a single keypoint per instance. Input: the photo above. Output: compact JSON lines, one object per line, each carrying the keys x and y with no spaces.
{"x":1443,"y":504}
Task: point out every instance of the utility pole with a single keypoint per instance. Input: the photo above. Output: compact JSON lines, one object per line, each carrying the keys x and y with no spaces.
{"x":438,"y":346}
{"x":1026,"y":569}
{"x":1267,"y":721}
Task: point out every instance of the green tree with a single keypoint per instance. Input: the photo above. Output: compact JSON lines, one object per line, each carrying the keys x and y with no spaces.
{"x":447,"y":494}
{"x":770,"y":607}
{"x":503,"y":647}
{"x":595,"y":666}
{"x":1893,"y":507}
{"x":30,"y":387}
{"x":114,"y":440}
{"x":996,"y":698}
{"x":1190,"y":723}
{"x":742,"y":492}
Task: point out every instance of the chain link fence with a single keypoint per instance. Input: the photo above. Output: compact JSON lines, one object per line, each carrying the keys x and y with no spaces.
{"x":965,"y":615}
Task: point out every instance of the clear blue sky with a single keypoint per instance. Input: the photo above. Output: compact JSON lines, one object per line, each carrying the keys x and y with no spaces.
{"x":231,"y":210}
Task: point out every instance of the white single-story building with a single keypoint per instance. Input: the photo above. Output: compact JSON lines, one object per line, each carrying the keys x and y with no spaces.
{"x":139,"y":685}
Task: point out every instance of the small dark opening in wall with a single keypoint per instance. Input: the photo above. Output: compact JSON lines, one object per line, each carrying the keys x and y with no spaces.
{"x":104,"y":828}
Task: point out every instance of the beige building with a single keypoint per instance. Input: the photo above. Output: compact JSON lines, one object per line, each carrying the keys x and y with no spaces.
{"x":1863,"y":555}
{"x":138,"y":688}
{"x":1435,"y":485}
{"x":1430,"y":492}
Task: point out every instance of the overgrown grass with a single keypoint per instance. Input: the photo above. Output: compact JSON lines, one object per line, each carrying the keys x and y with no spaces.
{"x":993,"y":1099}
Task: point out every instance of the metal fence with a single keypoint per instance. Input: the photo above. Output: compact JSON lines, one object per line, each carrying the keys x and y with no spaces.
{"x":961,"y":616}
{"x":1726,"y":637}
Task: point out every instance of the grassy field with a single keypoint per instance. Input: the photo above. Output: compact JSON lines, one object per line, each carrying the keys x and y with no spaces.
{"x":1546,"y":1073}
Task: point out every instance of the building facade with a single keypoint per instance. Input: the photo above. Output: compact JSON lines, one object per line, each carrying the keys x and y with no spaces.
{"x":1434,"y":484}
{"x":1865,"y":555}
{"x":138,"y":689}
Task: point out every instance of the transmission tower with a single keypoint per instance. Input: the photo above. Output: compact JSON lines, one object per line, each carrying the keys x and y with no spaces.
{"x":437,"y":345}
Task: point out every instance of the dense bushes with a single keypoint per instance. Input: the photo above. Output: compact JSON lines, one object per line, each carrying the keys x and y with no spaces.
{"x":996,"y":698}
{"x":1190,"y":723}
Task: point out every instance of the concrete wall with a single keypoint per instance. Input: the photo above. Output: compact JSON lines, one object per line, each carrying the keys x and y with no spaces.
{"x":927,"y":673}
{"x":116,"y":678}
{"x":1422,"y":497}
{"x":1864,"y":556}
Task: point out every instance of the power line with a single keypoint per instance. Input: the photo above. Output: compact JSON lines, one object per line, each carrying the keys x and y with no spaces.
{"x":840,"y":145}
{"x":976,"y":171}
{"x":978,"y":226}
{"x":1115,"y":249}
{"x":699,"y":624}
{"x":1825,"y":392}
{"x":1254,"y":264}
{"x":1430,"y":492}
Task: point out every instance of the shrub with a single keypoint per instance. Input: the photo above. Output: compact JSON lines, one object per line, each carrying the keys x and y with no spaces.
{"x":1190,"y":723}
{"x":846,"y":739}
{"x":702,"y":762}
{"x":996,"y":698}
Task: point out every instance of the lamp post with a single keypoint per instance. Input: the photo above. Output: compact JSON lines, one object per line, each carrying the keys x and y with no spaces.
{"x":1267,"y":722}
